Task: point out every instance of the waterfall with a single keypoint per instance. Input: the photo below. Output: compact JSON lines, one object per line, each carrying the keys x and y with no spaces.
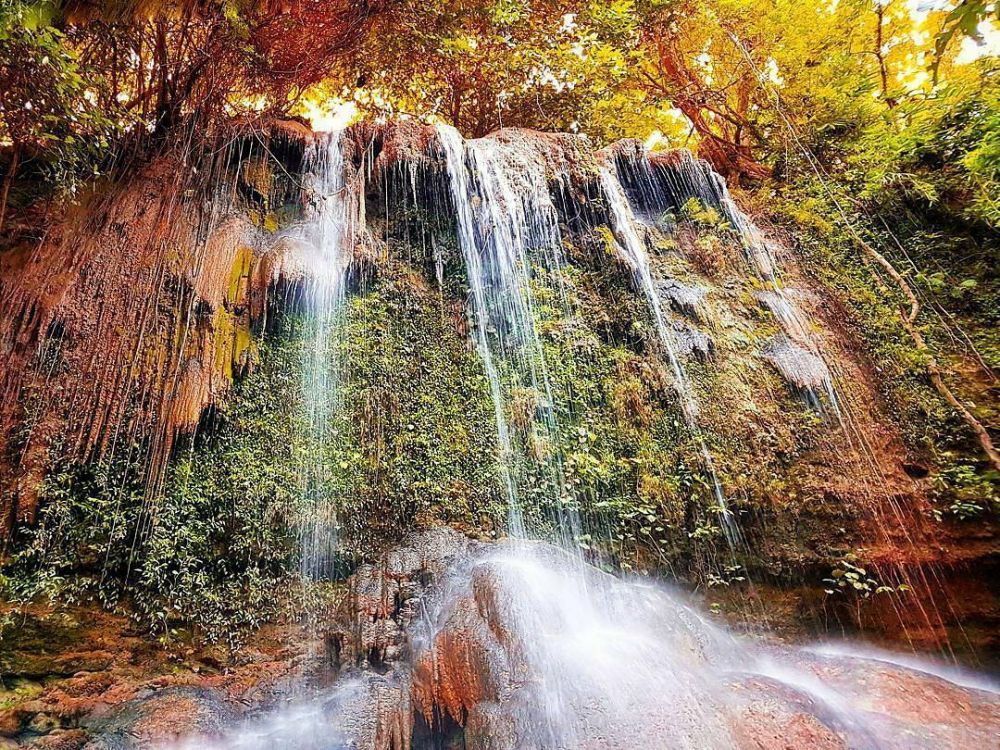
{"x":667,"y":186}
{"x":521,"y":644}
{"x":623,"y":225}
{"x":325,"y":237}
{"x":502,"y":230}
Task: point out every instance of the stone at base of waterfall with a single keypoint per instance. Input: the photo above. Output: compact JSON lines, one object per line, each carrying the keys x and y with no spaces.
{"x":385,"y":597}
{"x":683,"y":298}
{"x":514,"y":644}
{"x":800,"y":367}
{"x":518,"y":651}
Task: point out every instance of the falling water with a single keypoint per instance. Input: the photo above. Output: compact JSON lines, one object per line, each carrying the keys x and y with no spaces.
{"x":501,"y":231}
{"x":553,"y":652}
{"x":325,"y":237}
{"x":624,"y":226}
{"x":659,"y":188}
{"x":635,"y":665}
{"x":666,"y":185}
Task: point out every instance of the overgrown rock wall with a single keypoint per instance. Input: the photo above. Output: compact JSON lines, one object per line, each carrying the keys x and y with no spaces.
{"x":132,"y":315}
{"x":136,"y":322}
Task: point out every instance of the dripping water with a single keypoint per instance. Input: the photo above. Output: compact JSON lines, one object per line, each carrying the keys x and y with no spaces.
{"x":594,"y":661}
{"x":798,"y":353}
{"x":501,"y":232}
{"x":624,"y":227}
{"x":325,"y":239}
{"x":659,"y":188}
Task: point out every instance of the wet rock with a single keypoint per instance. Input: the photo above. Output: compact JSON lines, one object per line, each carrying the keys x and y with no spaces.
{"x":162,"y":717}
{"x":11,"y":720}
{"x":481,"y":662}
{"x":60,"y":739}
{"x":521,"y":645}
{"x":767,"y":715}
{"x":908,"y":706}
{"x":784,"y":306}
{"x":43,"y":723}
{"x":383,"y":600}
{"x":691,"y":341}
{"x":687,"y":299}
{"x":50,"y":665}
{"x":803,"y":369}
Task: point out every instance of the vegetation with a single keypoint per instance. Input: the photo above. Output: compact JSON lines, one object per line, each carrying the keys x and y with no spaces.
{"x":85,"y":86}
{"x":213,"y":548}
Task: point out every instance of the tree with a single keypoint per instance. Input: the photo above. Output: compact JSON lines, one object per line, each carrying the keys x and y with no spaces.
{"x":44,"y":102}
{"x":77,"y":75}
{"x":479,"y":65}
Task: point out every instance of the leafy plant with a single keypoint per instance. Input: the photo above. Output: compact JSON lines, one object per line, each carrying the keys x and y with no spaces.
{"x":849,"y":577}
{"x":964,"y":492}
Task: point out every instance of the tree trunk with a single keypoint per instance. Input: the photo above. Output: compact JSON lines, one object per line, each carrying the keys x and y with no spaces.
{"x":883,"y":71}
{"x":721,"y":148}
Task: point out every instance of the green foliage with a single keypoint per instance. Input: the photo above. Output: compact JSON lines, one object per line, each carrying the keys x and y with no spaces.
{"x":214,"y":547}
{"x":223,"y":540}
{"x":729,"y":575}
{"x":965,"y":493}
{"x":940,"y":152}
{"x":83,"y":544}
{"x":906,"y":187}
{"x":850,"y":578}
{"x":480,"y":65}
{"x":705,"y":216}
{"x":418,"y":437}
{"x":410,"y":437}
{"x":47,"y":98}
{"x":630,"y":465}
{"x":963,"y":21}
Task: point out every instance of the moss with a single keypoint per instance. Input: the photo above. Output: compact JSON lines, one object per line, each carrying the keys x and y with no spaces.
{"x":238,"y":275}
{"x":418,"y":419}
{"x":705,"y":216}
{"x":954,"y":315}
{"x":233,"y":342}
{"x":19,"y":691}
{"x":409,"y":436}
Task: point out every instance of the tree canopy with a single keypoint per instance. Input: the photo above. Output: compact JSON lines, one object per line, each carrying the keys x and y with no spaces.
{"x":748,"y":84}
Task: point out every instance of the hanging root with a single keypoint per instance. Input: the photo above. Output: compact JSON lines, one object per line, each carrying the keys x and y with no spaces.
{"x":933,"y":370}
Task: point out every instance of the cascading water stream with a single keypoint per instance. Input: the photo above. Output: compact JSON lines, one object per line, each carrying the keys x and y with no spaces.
{"x":509,"y":651}
{"x":798,"y":355}
{"x":500,"y":234}
{"x":521,"y":644}
{"x":623,"y":224}
{"x":325,"y":238}
{"x":666,"y":185}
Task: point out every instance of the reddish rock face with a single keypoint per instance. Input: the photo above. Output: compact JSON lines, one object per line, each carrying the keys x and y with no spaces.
{"x":148,"y":296}
{"x":130,"y":317}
